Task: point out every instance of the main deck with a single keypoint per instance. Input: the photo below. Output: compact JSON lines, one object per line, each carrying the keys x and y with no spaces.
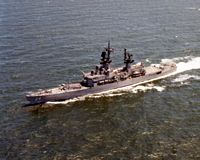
{"x":69,"y":88}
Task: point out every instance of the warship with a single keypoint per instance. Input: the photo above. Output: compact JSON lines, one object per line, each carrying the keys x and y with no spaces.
{"x":104,"y":78}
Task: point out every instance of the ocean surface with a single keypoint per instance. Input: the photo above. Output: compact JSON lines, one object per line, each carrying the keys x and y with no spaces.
{"x":44,"y":43}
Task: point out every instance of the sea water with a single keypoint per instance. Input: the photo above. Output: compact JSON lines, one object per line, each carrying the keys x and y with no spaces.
{"x":46,"y":43}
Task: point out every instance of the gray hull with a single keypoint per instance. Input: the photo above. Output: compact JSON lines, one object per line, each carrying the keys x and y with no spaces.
{"x":101,"y":88}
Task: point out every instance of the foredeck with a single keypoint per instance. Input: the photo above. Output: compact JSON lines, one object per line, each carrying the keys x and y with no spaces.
{"x":58,"y":90}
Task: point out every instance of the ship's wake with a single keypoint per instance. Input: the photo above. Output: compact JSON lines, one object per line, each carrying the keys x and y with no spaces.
{"x":185,"y":77}
{"x":183,"y":64}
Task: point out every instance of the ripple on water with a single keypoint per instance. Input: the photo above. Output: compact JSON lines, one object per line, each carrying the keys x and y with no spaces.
{"x":45,"y":43}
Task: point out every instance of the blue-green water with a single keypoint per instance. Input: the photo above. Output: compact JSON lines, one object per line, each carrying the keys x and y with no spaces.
{"x":45,"y":43}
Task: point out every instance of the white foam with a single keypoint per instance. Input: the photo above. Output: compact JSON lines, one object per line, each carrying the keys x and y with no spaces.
{"x":186,"y":77}
{"x":132,"y":88}
{"x":110,"y":93}
{"x":148,"y":87}
{"x":147,"y":60}
{"x":192,"y":8}
{"x":189,"y":63}
{"x":67,"y":101}
{"x":177,"y":59}
{"x":193,"y":63}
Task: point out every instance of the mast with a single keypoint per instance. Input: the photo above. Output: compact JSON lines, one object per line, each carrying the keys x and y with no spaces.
{"x":105,"y":58}
{"x":127,"y":59}
{"x":125,"y":55}
{"x":109,"y":50}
